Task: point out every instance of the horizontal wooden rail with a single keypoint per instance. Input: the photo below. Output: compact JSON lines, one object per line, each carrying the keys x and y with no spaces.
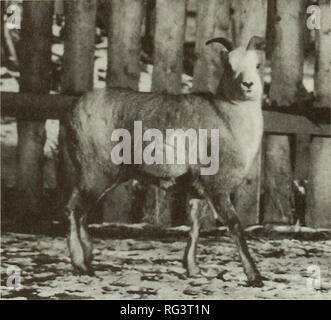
{"x":284,"y":123}
{"x":29,"y":106}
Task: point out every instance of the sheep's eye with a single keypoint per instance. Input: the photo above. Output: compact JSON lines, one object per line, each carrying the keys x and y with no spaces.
{"x":258,"y":66}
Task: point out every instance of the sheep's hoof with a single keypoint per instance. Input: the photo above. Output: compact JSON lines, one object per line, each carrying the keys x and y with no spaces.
{"x":193,"y":271}
{"x":87,"y":271}
{"x":256,"y":282}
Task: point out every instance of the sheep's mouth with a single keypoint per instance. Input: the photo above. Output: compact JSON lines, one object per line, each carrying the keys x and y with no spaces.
{"x":249,"y":94}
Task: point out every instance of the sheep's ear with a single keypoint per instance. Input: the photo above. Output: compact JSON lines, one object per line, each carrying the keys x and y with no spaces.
{"x":256,"y":43}
{"x":225,"y":42}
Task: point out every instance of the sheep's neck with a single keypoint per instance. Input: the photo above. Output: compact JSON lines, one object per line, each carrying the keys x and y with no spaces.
{"x":243,"y":120}
{"x":238,"y":111}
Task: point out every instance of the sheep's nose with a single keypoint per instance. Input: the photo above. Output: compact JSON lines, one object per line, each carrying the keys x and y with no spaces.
{"x":247,"y":84}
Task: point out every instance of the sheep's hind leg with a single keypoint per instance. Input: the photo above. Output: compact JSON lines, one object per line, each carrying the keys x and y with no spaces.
{"x":79,"y":243}
{"x":189,"y":261}
{"x":86,"y":241}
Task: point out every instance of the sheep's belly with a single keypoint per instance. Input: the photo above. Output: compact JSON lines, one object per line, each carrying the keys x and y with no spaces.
{"x":164,"y":170}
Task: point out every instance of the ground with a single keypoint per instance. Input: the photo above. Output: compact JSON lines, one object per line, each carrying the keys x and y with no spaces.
{"x":152,"y":269}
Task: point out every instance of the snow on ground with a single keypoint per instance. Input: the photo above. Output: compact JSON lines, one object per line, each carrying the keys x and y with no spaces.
{"x":135,"y":269}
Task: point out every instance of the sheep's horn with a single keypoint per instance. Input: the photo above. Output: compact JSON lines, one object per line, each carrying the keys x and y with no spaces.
{"x":256,"y":43}
{"x":225,"y":42}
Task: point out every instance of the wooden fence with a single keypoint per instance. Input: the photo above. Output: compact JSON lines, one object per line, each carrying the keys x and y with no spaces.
{"x":305,"y":121}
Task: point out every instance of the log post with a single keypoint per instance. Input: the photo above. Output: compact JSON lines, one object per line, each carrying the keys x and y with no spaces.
{"x":124,"y":43}
{"x":148,"y":39}
{"x":35,"y":69}
{"x":169,"y":45}
{"x":124,"y":38}
{"x":77,"y":77}
{"x":286,"y":82}
{"x":249,"y":18}
{"x":213,"y":20}
{"x":319,"y":188}
{"x":3,"y":47}
{"x":167,"y":76}
{"x":78,"y":58}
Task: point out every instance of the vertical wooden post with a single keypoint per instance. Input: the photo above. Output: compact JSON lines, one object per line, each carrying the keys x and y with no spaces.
{"x":148,"y":39}
{"x":124,"y":43}
{"x":167,"y":76}
{"x":169,"y":45}
{"x":249,"y":19}
{"x":78,"y":59}
{"x":58,"y":7}
{"x":213,"y":20}
{"x":319,"y":194}
{"x":77,"y":77}
{"x":35,"y":64}
{"x":4,"y":50}
{"x":270,"y":32}
{"x":301,"y":154}
{"x":302,"y":147}
{"x":124,"y":38}
{"x":286,"y":78}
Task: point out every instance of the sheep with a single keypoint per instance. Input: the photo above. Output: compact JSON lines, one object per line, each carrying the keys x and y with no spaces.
{"x":235,"y":110}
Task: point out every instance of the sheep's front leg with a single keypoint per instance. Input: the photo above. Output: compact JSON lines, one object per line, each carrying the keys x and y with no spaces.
{"x":232,"y":221}
{"x":79,"y":243}
{"x":190,"y":252}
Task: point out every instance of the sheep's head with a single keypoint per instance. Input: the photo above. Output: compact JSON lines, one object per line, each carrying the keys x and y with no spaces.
{"x":240,"y":77}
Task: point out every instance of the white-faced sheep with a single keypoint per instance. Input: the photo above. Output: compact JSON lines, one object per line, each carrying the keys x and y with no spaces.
{"x":235,"y":110}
